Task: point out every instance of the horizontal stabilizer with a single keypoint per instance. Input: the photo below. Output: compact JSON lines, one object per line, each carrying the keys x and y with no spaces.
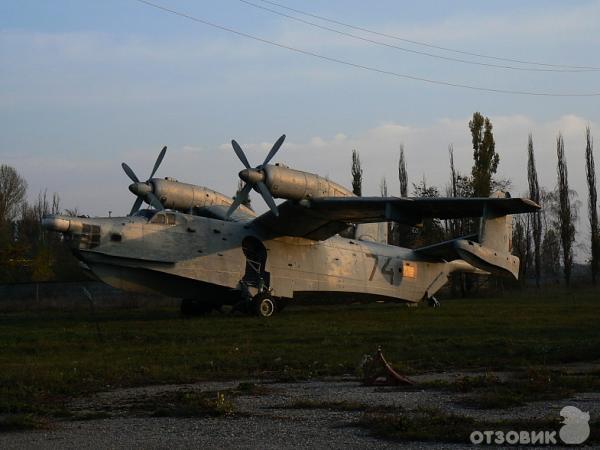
{"x":487,"y":259}
{"x":443,"y":250}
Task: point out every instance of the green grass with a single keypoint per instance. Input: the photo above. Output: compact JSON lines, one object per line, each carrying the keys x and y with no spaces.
{"x":532,"y":385}
{"x":47,"y":357}
{"x":435,"y":425}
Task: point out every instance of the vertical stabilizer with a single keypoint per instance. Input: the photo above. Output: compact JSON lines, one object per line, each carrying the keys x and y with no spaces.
{"x":495,"y":230}
{"x":492,"y":253}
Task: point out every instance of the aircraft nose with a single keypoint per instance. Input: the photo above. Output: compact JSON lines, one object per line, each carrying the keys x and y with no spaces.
{"x":251,"y":176}
{"x":140,"y":189}
{"x":62,"y":224}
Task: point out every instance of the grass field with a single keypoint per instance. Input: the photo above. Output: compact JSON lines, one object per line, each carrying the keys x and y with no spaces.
{"x":48,"y":357}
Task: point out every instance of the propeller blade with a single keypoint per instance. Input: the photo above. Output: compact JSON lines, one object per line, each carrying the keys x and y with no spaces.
{"x":130,"y":173}
{"x":274,"y":149}
{"x":154,"y":201}
{"x":239,"y":199}
{"x":240,"y":154}
{"x":161,"y":155}
{"x":136,"y":205}
{"x":268,"y":198}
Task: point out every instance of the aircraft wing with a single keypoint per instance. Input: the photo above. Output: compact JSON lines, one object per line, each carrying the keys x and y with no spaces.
{"x":444,"y":250}
{"x":321,"y":218}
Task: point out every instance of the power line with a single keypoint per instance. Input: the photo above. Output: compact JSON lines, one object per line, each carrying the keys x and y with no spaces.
{"x":360,"y":66}
{"x":408,"y":50}
{"x":425,"y":44}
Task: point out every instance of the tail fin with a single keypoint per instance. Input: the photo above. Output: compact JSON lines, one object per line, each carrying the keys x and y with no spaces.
{"x":492,"y":253}
{"x":495,"y":230}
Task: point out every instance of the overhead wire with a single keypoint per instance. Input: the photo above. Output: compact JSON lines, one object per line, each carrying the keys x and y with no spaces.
{"x":361,"y":66}
{"x":425,"y":44}
{"x":408,"y":50}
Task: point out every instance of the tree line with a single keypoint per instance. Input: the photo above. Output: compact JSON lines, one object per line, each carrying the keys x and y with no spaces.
{"x":27,"y":251}
{"x":543,"y":240}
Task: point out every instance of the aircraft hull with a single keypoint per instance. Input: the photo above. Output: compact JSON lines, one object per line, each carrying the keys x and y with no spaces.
{"x":201,"y":258}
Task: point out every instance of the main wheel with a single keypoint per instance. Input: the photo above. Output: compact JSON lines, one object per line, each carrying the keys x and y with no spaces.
{"x":264,"y":305}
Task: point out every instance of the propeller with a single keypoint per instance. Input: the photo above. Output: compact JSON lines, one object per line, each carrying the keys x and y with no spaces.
{"x":254,"y":178}
{"x":143,"y":189}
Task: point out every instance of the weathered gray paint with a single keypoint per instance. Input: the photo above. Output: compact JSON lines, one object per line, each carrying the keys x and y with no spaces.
{"x":191,"y":255}
{"x":209,"y":251}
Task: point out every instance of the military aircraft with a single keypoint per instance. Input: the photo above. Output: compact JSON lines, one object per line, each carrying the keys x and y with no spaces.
{"x":210,"y":250}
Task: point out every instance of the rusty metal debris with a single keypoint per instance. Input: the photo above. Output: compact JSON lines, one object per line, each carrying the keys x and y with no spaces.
{"x":378,"y":372}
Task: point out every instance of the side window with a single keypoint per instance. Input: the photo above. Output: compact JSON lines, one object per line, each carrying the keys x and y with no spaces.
{"x":170,"y":219}
{"x":159,"y":219}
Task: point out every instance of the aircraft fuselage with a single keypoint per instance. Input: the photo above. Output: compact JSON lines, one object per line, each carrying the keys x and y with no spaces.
{"x":189,"y":256}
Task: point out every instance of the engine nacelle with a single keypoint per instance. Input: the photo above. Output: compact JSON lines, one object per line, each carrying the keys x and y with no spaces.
{"x":291,"y":184}
{"x":187,"y":197}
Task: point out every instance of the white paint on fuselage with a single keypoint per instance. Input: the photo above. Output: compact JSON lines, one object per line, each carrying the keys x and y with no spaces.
{"x":209,"y":250}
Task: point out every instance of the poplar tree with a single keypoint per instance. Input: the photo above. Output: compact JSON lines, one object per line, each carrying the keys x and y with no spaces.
{"x":402,"y":174}
{"x":590,"y":173}
{"x":565,"y":216}
{"x":357,"y":174}
{"x":536,"y":219}
{"x":485,"y":158}
{"x":383,"y":189}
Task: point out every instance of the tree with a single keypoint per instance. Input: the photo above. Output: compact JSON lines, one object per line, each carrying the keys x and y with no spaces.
{"x":536,"y":219}
{"x":12,"y":196}
{"x":357,"y":174}
{"x":521,"y":244}
{"x":431,"y":230}
{"x":551,"y":254}
{"x":12,"y":193}
{"x":402,"y":174}
{"x":565,"y":218}
{"x":453,"y":173}
{"x":485,"y":158}
{"x":590,"y":173}
{"x":383,"y":189}
{"x":453,"y":225}
{"x":400,"y":234}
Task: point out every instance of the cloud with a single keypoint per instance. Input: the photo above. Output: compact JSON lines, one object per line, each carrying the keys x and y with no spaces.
{"x":98,"y":185}
{"x":426,"y":149}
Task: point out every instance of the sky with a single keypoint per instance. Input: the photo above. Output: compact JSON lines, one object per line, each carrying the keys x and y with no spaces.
{"x":85,"y":85}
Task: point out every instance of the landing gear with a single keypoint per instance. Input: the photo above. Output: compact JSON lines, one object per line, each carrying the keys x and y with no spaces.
{"x":263,"y":304}
{"x":256,"y":301}
{"x":433,"y":302}
{"x":193,"y":307}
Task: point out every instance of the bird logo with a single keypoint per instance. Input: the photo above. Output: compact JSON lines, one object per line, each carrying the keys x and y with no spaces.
{"x":576,"y":428}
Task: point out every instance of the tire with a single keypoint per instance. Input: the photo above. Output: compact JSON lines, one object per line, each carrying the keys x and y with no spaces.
{"x":264,"y":305}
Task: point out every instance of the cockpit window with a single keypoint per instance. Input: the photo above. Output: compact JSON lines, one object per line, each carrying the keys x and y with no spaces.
{"x":162,"y":218}
{"x":159,"y":219}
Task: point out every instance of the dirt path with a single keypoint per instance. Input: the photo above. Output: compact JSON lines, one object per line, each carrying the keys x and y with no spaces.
{"x":314,"y":414}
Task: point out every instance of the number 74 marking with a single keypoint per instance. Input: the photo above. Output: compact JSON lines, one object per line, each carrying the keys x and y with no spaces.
{"x":385,"y":269}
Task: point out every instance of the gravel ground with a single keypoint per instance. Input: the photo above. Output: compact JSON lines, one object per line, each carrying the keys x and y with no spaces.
{"x":266,"y":421}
